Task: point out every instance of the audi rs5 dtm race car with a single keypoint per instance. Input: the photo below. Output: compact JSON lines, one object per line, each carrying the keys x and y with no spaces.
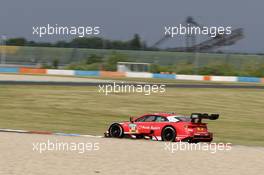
{"x":165,"y":127}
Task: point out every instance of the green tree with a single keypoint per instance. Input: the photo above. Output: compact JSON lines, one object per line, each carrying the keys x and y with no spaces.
{"x":111,"y":62}
{"x":55,"y":63}
{"x":16,"y":41}
{"x":93,"y":58}
{"x":135,"y":43}
{"x":92,"y":42}
{"x":154,"y":68}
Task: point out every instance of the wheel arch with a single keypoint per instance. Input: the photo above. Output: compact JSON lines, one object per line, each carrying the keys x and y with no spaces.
{"x":169,"y":126}
{"x":118,"y":124}
{"x":115,"y":123}
{"x":172,"y":128}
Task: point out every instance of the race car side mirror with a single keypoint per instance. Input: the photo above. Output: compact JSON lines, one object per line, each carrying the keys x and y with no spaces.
{"x":131,"y":119}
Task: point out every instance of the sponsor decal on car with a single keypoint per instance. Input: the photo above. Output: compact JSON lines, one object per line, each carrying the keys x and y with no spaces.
{"x":150,"y":127}
{"x":132,"y":127}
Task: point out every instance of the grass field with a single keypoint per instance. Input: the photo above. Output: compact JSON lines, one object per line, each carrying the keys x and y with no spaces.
{"x":84,"y":110}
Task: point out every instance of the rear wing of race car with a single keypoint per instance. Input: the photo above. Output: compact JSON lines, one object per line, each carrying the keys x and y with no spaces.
{"x":197,"y":117}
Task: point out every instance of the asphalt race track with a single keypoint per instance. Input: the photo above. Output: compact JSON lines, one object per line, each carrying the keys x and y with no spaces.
{"x":7,"y":79}
{"x":97,"y":83}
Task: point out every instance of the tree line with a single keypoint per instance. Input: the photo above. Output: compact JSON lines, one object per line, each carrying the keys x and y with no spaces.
{"x":92,"y":42}
{"x":136,"y":43}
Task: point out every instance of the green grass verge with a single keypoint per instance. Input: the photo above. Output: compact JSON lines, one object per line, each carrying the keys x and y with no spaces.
{"x":84,"y":110}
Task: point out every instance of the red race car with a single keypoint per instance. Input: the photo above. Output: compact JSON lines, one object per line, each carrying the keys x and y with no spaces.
{"x":165,"y":127}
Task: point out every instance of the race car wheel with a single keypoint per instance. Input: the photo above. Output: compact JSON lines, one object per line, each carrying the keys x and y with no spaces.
{"x":116,"y":130}
{"x":168,"y":134}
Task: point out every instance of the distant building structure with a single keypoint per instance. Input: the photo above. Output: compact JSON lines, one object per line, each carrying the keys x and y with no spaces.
{"x":132,"y":67}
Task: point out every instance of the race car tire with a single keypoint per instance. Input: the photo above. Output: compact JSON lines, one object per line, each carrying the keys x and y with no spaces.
{"x":116,"y":130}
{"x":168,"y":134}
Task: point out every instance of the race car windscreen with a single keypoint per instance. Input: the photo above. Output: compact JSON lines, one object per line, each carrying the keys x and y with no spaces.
{"x":179,"y":118}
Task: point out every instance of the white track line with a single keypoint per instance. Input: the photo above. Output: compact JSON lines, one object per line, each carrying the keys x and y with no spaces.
{"x":59,"y":134}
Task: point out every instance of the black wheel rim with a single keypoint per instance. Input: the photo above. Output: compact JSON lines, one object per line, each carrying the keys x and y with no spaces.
{"x":115,"y":131}
{"x":168,"y":135}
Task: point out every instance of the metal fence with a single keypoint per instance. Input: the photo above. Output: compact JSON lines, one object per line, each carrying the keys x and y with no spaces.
{"x":46,"y":55}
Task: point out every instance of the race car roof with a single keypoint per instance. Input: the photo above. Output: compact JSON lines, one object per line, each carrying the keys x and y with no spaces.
{"x":165,"y":114}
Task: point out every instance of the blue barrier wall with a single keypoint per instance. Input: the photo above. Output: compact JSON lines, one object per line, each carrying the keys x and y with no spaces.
{"x":249,"y":79}
{"x":9,"y":70}
{"x":86,"y":73}
{"x":121,"y":74}
{"x":167,"y":76}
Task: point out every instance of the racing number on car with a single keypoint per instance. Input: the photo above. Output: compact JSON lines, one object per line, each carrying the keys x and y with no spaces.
{"x":132,"y":127}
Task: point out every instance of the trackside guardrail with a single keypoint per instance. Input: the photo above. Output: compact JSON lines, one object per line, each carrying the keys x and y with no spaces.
{"x":27,"y":70}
